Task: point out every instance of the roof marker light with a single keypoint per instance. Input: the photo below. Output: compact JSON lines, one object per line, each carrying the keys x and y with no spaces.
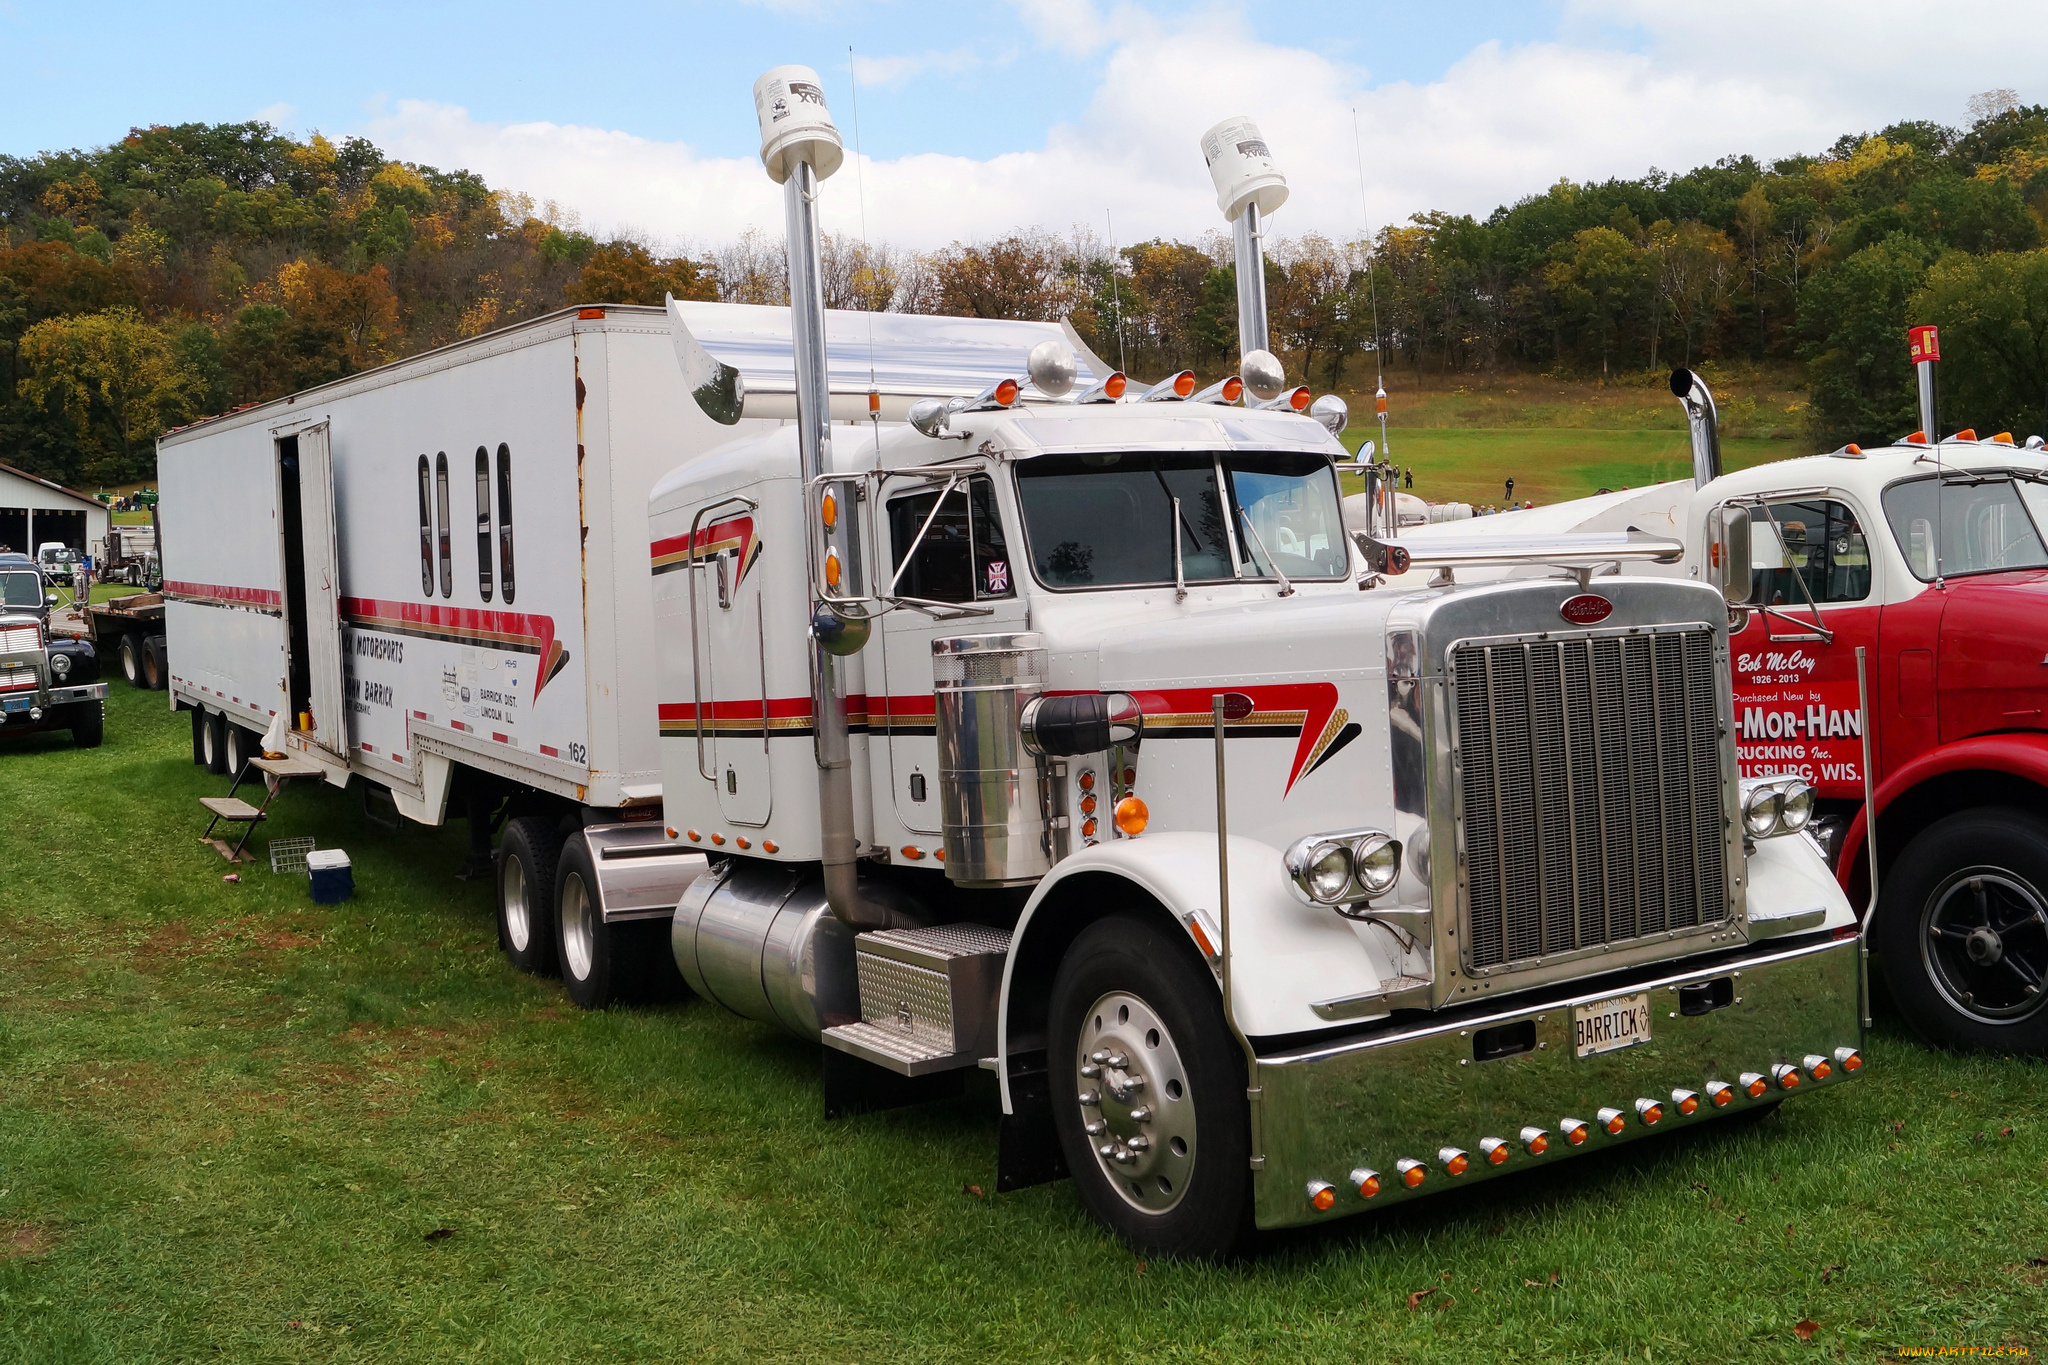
{"x":1227,"y":390}
{"x":1171,"y":389}
{"x":1850,"y":1058}
{"x":1366,"y":1181}
{"x":1966,"y":434}
{"x":2003,"y":438}
{"x":1107,"y":390}
{"x":1918,"y":438}
{"x":1535,"y":1141}
{"x":1412,"y":1171}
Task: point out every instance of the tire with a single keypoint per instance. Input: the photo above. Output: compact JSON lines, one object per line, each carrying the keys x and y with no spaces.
{"x":88,"y":723}
{"x":241,"y":746}
{"x":198,"y":714}
{"x":1128,"y":988}
{"x":526,"y":893}
{"x":156,"y":663}
{"x":1962,"y":932}
{"x":131,"y":659}
{"x":597,"y":959}
{"x":213,"y":743}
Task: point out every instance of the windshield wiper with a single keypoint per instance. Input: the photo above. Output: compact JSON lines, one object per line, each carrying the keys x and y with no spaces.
{"x":1286,"y":588}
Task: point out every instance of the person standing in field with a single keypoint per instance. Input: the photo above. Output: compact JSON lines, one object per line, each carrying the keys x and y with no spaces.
{"x":1410,"y":476}
{"x":1511,"y":491}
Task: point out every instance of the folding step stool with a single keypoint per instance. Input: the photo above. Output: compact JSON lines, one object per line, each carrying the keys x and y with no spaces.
{"x":234,"y":810}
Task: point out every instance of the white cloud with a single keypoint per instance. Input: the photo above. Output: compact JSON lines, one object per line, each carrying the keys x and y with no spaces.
{"x":1501,"y":123}
{"x":892,"y":72}
{"x":277,"y":115}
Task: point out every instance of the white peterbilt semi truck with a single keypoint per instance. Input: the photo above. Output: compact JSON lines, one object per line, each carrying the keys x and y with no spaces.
{"x":1009,"y":719}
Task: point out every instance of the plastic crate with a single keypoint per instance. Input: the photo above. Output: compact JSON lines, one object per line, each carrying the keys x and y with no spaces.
{"x":289,"y":855}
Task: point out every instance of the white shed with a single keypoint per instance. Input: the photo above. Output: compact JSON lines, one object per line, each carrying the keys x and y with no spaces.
{"x":36,"y":511}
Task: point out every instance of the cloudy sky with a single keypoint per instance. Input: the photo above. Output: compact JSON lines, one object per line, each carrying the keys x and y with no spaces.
{"x":977,"y":117}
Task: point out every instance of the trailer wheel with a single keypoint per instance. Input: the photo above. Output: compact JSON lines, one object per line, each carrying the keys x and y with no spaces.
{"x":214,"y":743}
{"x":88,"y":723}
{"x":155,"y":663}
{"x":1149,"y":1091}
{"x":526,"y":893}
{"x":241,"y":746}
{"x":131,"y":659}
{"x":1962,"y":932}
{"x":198,"y":714}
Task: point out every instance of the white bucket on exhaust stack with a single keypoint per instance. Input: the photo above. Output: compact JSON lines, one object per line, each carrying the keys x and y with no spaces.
{"x":795,"y":125}
{"x":1242,"y":167}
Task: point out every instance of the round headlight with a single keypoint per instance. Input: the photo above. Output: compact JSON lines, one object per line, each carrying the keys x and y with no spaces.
{"x":1760,"y":812}
{"x":1376,"y":862}
{"x":1796,"y":807}
{"x":60,"y":665}
{"x":1328,"y":875}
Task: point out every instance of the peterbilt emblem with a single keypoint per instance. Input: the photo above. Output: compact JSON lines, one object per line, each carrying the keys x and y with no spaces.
{"x":1586,"y":609}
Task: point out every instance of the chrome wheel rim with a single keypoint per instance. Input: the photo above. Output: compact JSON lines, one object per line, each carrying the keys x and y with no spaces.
{"x":1984,"y":945}
{"x":512,"y":891}
{"x":1136,"y":1108}
{"x":129,"y":665}
{"x":207,"y":742}
{"x":578,"y":947}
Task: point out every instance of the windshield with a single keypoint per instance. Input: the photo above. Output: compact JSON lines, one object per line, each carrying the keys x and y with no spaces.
{"x":19,"y":588}
{"x":1983,"y":527}
{"x":1106,"y":520}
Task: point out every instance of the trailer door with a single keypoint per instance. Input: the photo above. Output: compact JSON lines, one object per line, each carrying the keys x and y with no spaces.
{"x":313,"y":588}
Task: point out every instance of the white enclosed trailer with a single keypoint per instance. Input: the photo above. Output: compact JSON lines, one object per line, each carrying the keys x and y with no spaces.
{"x":436,"y":574}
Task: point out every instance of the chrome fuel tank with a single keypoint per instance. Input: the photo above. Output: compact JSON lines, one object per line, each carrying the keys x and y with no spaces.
{"x":760,"y":939}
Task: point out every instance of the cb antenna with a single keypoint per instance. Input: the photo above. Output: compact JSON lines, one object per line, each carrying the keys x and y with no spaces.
{"x":1115,"y":295}
{"x":860,"y":176}
{"x":1372,"y":293}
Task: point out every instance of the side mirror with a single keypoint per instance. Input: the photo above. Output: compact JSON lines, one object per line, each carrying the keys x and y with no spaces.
{"x":1728,"y":551}
{"x":49,"y":599}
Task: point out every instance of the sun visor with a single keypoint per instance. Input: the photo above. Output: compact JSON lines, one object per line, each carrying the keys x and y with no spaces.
{"x":738,"y":358}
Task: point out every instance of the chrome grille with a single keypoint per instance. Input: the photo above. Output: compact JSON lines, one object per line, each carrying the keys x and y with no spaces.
{"x":1591,"y":791}
{"x":26,"y":638}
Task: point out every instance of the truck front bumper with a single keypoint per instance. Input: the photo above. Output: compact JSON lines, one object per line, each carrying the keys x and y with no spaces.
{"x":1426,"y":1095}
{"x":24,"y":705}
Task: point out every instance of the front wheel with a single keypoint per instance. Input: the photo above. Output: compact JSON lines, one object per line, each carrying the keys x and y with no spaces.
{"x":1149,"y":1090}
{"x":1962,"y":932}
{"x":88,"y":723}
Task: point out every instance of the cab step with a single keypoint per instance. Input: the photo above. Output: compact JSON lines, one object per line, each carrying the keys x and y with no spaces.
{"x":927,"y":998}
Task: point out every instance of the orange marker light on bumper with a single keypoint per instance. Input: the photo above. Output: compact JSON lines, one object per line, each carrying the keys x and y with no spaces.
{"x":1786,"y":1075}
{"x":1574,"y":1130}
{"x":1413,"y":1172}
{"x":1454,"y":1159}
{"x":1366,"y":1181}
{"x":1535,"y":1141}
{"x":1688,"y":1101}
{"x":1495,"y":1150}
{"x":1650,"y":1112}
{"x":1612,"y":1121}
{"x":1754,"y":1085}
{"x":1850,"y":1058}
{"x":1720,"y":1092}
{"x":1321,"y":1195}
{"x":1820,"y":1068}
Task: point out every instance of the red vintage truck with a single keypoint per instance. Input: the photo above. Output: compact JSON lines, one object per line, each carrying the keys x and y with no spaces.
{"x":1929,"y":558}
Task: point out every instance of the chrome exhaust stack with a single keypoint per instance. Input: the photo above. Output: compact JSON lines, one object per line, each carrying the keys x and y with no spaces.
{"x":1700,"y":415}
{"x":799,"y":147}
{"x":1249,"y":187}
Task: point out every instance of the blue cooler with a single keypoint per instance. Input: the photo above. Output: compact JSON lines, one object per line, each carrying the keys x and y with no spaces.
{"x":333,"y":883}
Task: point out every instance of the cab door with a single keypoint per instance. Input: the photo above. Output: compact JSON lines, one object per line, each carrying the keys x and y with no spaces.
{"x":731,"y":647}
{"x":1796,"y":700}
{"x":953,"y":556}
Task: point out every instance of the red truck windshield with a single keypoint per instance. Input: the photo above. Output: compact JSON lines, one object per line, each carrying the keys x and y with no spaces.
{"x":1963,"y":525}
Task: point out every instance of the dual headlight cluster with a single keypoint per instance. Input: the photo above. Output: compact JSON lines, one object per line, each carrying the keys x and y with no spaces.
{"x":1775,"y":805}
{"x":1330,"y":869}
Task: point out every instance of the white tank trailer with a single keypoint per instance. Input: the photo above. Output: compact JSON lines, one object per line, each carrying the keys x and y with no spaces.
{"x":975,"y":707}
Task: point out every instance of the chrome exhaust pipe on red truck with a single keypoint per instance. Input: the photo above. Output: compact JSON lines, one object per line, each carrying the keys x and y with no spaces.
{"x":1705,"y":422}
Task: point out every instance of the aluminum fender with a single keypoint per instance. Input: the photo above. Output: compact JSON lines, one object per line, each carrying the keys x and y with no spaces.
{"x":1791,"y":890}
{"x":2023,"y":755}
{"x":1284,"y":952}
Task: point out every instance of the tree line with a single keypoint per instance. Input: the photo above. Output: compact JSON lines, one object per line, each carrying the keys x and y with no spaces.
{"x":187,"y":270}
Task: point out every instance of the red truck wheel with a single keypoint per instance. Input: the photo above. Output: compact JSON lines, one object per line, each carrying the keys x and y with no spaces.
{"x":1962,"y":932}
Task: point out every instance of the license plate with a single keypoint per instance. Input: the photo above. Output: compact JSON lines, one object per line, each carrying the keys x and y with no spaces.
{"x":1607,"y":1025}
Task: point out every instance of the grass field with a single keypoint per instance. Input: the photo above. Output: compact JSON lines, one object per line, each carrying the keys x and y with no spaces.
{"x":239,"y":1126}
